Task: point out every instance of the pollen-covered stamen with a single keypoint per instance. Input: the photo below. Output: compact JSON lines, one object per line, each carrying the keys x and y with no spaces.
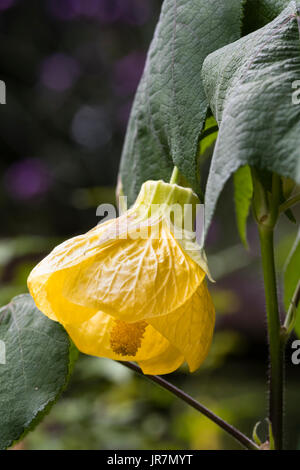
{"x":126,"y":338}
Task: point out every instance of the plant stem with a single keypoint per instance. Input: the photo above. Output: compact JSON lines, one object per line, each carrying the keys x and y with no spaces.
{"x":235,"y":433}
{"x":266,"y":234}
{"x":175,"y":176}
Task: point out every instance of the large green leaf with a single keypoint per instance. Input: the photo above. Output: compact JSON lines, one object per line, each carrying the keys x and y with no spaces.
{"x":292,"y":277}
{"x":249,"y":88}
{"x":243,"y":191}
{"x":170,"y":106}
{"x":34,"y":367}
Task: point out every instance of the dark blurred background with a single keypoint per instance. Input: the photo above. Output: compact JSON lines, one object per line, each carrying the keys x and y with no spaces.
{"x":71,"y":68}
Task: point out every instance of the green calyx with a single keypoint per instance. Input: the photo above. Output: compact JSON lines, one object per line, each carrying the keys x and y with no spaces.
{"x":159,"y":198}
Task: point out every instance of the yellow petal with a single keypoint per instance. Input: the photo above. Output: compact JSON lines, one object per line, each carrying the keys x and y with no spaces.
{"x":164,"y":363}
{"x":98,"y":337}
{"x":43,"y":289}
{"x":132,"y":288}
{"x":42,"y":283}
{"x":195,"y":251}
{"x":130,"y":279}
{"x":190,"y":328}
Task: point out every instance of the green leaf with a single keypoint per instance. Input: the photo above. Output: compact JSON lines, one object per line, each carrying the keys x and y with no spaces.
{"x":243,"y":192}
{"x":291,"y":278}
{"x":170,"y":106}
{"x":208,"y":136}
{"x":249,"y":88}
{"x":38,"y":361}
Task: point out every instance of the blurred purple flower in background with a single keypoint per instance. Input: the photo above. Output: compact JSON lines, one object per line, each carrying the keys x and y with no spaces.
{"x":27,"y":179}
{"x":111,"y":10}
{"x":127,"y":73}
{"x":90,"y":127}
{"x":5,"y":4}
{"x":62,"y":9}
{"x":59,"y":72}
{"x":107,"y":11}
{"x":137,"y":12}
{"x":133,"y":12}
{"x":87,"y":8}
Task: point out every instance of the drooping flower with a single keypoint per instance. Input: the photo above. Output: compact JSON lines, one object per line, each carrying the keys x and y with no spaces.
{"x":133,"y":288}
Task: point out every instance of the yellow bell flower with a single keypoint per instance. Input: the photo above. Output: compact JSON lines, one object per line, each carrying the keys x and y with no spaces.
{"x":133,"y":288}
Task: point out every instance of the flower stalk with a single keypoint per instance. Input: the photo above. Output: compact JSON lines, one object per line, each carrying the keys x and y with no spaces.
{"x":276,"y":348}
{"x":231,"y":430}
{"x":266,"y":211}
{"x":175,"y":176}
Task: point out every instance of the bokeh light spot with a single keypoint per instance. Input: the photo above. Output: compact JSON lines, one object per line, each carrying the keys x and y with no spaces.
{"x":90,"y":127}
{"x":27,"y":179}
{"x":127,"y":73}
{"x":59,"y":72}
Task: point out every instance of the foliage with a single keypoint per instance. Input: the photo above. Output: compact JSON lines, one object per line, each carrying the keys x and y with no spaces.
{"x":38,"y":361}
{"x":217,"y":79}
{"x":170,"y":106}
{"x":249,"y":87}
{"x":243,"y":192}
